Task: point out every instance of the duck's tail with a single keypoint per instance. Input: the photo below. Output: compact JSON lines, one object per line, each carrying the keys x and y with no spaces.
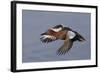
{"x":80,"y":37}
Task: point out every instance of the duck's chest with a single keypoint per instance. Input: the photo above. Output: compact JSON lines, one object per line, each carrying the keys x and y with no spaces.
{"x":60,"y":34}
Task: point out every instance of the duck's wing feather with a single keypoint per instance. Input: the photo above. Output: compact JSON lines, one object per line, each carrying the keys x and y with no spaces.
{"x":47,"y":38}
{"x":65,"y":47}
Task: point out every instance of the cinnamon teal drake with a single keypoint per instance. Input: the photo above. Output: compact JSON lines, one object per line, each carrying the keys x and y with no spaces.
{"x":63,"y":33}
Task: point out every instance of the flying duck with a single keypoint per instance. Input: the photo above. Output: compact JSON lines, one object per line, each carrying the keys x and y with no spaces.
{"x":63,"y":33}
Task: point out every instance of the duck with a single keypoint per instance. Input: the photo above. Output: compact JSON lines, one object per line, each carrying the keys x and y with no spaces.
{"x":60,"y":32}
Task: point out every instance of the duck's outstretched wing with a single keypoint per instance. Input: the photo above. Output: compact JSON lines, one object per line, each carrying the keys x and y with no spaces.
{"x":65,"y":47}
{"x":47,"y":38}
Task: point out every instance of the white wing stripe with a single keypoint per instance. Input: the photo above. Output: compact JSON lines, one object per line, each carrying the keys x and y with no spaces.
{"x":71,"y":34}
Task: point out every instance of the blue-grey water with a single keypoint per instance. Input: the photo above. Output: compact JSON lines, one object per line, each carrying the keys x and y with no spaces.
{"x":36,"y":22}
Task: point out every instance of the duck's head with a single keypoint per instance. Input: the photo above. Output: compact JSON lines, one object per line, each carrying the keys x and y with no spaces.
{"x":57,"y":28}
